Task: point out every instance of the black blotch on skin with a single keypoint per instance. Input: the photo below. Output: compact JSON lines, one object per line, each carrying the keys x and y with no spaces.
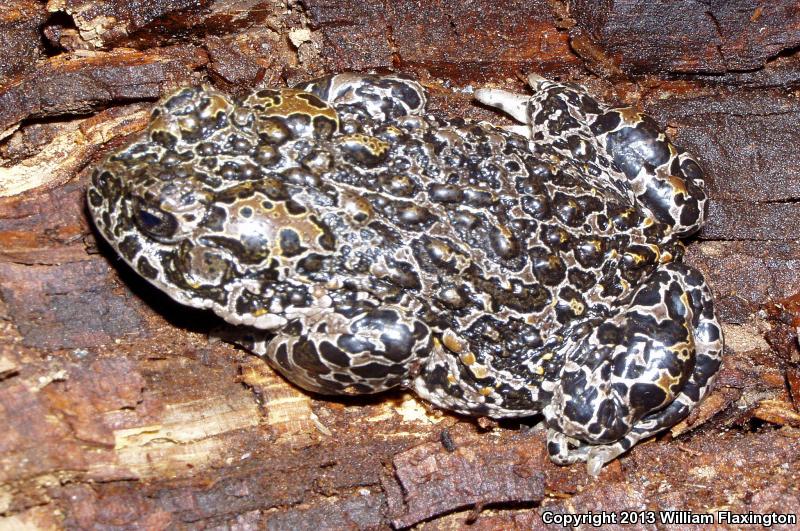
{"x":130,"y":247}
{"x":333,"y":354}
{"x":606,"y":122}
{"x":324,"y":127}
{"x":343,"y":378}
{"x":249,"y":249}
{"x":95,"y":199}
{"x":648,"y":295}
{"x":249,"y":303}
{"x":548,"y":268}
{"x":312,"y":100}
{"x":355,"y":344}
{"x":407,"y":94}
{"x":396,"y":336}
{"x":282,"y":358}
{"x":327,"y":240}
{"x":305,"y":355}
{"x":646,"y":397}
{"x":144,"y":267}
{"x":581,"y":411}
{"x":374,"y":370}
{"x":633,"y":148}
{"x":290,"y":243}
{"x":215,"y":218}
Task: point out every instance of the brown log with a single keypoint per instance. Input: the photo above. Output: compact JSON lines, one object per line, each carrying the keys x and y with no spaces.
{"x":684,"y":37}
{"x":119,"y":407}
{"x":20,"y":42}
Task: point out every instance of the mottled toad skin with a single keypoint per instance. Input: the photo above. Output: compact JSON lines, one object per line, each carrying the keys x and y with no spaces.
{"x":358,"y":244}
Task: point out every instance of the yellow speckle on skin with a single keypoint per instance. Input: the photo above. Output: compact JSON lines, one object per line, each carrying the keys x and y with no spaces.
{"x":684,"y":354}
{"x":666,"y":381}
{"x":630,"y":114}
{"x":485,"y":391}
{"x":393,"y":130}
{"x":374,"y":145}
{"x":673,"y":151}
{"x":577,"y":307}
{"x":637,"y":258}
{"x":452,"y":342}
{"x":296,"y":101}
{"x":480,"y":371}
{"x":678,"y":185}
{"x":656,"y":249}
{"x":468,"y":358}
{"x":452,"y":380}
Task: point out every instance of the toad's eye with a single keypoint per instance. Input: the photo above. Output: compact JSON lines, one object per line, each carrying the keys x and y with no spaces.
{"x":154,"y":222}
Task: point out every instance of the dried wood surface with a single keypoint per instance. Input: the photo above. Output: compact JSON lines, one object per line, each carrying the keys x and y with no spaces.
{"x":118,"y":411}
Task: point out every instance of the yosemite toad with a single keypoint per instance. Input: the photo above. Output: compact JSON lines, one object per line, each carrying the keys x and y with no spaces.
{"x":359,"y":244}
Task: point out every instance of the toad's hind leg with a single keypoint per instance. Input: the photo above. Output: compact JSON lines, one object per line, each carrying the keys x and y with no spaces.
{"x":626,"y":145}
{"x":380,"y":97}
{"x":638,"y":373}
{"x":333,"y":354}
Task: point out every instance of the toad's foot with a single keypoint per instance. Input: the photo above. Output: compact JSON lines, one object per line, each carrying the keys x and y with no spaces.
{"x":565,"y":450}
{"x":664,"y":179}
{"x":638,"y":373}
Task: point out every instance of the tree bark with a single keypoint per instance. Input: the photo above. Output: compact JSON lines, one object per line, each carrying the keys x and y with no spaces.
{"x":119,"y":411}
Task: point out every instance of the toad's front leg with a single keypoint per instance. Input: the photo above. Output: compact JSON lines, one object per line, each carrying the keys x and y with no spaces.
{"x":638,"y":373}
{"x":341,"y":350}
